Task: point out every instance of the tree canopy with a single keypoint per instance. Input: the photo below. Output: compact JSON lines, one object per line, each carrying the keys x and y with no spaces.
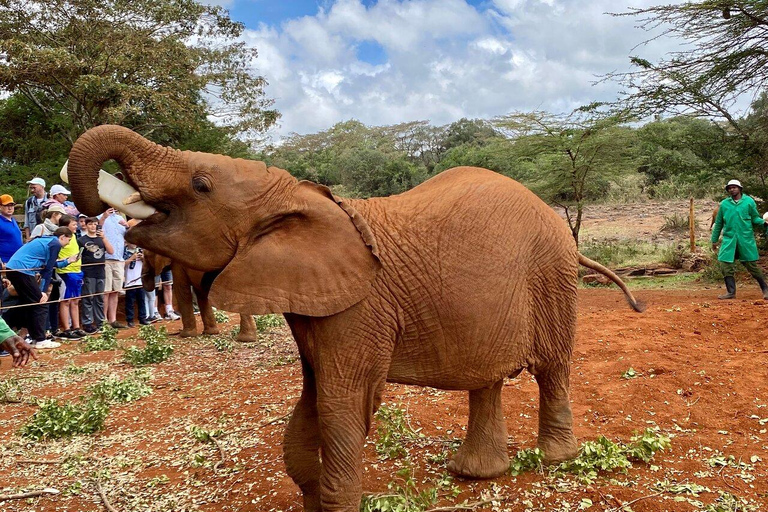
{"x":152,"y":65}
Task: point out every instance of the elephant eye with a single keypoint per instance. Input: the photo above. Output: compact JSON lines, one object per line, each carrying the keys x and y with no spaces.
{"x":201,"y":184}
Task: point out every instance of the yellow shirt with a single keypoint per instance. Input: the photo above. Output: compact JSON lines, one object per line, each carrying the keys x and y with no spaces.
{"x":67,"y":251}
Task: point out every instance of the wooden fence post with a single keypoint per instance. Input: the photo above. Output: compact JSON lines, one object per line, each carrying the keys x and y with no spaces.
{"x":692,"y":227}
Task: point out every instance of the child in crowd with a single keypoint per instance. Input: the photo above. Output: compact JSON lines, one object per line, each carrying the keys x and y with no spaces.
{"x":95,"y":245}
{"x":134,"y":295}
{"x":72,"y":276}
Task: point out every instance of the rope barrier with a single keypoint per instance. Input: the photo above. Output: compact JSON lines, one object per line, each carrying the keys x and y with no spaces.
{"x":5,"y":308}
{"x":54,"y":268}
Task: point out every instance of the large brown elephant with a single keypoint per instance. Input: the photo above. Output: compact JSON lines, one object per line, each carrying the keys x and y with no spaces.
{"x":463,"y":281}
{"x":187,"y":280}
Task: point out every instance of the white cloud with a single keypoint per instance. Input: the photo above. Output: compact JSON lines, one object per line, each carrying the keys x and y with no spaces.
{"x":444,"y":59}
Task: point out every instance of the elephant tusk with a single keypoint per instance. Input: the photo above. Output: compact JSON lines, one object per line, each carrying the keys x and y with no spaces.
{"x":133,"y":198}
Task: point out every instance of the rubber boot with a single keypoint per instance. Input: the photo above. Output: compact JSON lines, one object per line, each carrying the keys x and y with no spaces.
{"x":730,"y":287}
{"x":763,"y":287}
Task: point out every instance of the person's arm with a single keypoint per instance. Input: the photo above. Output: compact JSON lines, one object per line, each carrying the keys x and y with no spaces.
{"x":107,"y":246}
{"x":757,"y":220}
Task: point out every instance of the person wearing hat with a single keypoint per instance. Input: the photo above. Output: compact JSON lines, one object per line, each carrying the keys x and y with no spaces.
{"x":59,"y":195}
{"x":736,"y":217}
{"x":10,"y":232}
{"x":50,"y":223}
{"x":33,"y":206}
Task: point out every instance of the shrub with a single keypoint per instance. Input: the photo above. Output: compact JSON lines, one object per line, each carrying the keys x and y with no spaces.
{"x":54,"y":420}
{"x":107,"y":340}
{"x":156,"y":351}
{"x":393,"y":429}
{"x":677,"y":223}
{"x":267,"y":322}
{"x":220,"y":316}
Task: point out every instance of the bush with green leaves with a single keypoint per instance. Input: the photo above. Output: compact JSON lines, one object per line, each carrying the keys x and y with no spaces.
{"x":106,"y":341}
{"x":156,"y":350}
{"x":266,"y":322}
{"x":116,"y":390}
{"x":55,"y":420}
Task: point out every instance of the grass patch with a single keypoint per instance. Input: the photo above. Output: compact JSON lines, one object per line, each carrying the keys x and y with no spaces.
{"x":623,"y":253}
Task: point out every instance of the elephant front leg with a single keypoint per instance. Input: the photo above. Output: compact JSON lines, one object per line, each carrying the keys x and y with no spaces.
{"x":182,"y":289}
{"x":484,"y":451}
{"x":556,"y":437}
{"x":302,"y":444}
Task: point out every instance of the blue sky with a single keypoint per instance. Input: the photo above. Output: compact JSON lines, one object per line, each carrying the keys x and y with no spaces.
{"x":390,"y":61}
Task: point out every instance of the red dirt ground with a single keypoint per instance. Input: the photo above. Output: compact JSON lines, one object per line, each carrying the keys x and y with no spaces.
{"x":702,"y":368}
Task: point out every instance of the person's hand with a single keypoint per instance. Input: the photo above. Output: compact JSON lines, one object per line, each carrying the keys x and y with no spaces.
{"x":109,"y":212}
{"x":72,"y":258}
{"x":43,"y":298}
{"x":123,"y":223}
{"x":19,"y":349}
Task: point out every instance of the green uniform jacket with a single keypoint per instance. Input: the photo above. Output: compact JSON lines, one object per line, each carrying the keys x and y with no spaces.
{"x":5,"y":331}
{"x":735,"y":220}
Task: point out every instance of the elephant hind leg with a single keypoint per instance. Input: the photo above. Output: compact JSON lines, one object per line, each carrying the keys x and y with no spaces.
{"x":484,"y":451}
{"x":556,"y":437}
{"x":248,"y":330}
{"x":301,"y":445}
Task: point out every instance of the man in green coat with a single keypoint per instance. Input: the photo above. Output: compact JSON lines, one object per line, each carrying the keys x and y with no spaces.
{"x":735,"y":218}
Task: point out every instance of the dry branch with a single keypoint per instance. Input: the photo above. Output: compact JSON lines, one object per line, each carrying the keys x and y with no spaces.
{"x":104,"y":499}
{"x":30,"y":494}
{"x":465,"y":506}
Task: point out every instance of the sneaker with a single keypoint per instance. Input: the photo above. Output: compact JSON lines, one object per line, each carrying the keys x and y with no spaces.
{"x":171,"y":315}
{"x":144,"y":322}
{"x":90,"y":329}
{"x":154,"y":318}
{"x":60,"y":334}
{"x":118,"y":325}
{"x":72,"y":335}
{"x":46,"y":344}
{"x":80,"y":332}
{"x":131,"y":324}
{"x":4,"y":353}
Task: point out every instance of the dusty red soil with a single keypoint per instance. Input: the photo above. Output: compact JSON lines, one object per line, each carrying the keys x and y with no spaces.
{"x":702,"y":368}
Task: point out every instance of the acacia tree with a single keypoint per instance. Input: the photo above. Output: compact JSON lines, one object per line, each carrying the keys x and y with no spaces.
{"x":571,"y":158}
{"x":725,"y":59}
{"x":146,"y":64}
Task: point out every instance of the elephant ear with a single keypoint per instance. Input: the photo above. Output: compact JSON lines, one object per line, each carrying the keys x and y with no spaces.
{"x":317,"y":260}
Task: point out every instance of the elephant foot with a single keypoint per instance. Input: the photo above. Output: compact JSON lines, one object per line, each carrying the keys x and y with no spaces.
{"x":478,"y":464}
{"x":247,"y":338}
{"x":188,"y":333}
{"x":311,"y":496}
{"x":558,"y":450}
{"x":211,"y":330}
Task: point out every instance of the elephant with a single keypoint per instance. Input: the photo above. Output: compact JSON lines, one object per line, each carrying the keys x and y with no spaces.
{"x":457,"y":284}
{"x":185,"y":281}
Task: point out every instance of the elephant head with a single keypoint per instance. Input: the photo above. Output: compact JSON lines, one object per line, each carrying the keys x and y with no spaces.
{"x":277,"y":244}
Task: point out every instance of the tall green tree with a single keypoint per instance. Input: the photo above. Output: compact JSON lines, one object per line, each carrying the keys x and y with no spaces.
{"x":151,"y":65}
{"x":571,"y":158}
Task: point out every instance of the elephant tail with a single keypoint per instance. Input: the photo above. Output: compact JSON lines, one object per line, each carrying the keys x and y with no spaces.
{"x":636,"y":304}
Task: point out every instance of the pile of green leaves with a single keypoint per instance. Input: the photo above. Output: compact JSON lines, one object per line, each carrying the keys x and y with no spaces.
{"x":55,"y":420}
{"x":266,"y":322}
{"x":114,"y":390}
{"x":404,"y":495}
{"x":393,"y":430}
{"x":10,"y":391}
{"x":107,"y":340}
{"x":156,"y":350}
{"x":220,"y":316}
{"x":223,"y":343}
{"x":596,"y":456}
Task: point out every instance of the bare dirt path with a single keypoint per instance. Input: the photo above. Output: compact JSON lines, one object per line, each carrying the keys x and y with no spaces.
{"x":701,"y":377}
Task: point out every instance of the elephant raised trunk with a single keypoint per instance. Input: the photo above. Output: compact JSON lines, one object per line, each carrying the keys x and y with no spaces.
{"x":132,"y":152}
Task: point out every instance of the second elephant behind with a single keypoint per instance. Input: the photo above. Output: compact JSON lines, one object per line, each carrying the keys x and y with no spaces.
{"x":185,"y":281}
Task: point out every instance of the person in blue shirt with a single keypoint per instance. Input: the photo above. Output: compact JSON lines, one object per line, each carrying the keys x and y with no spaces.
{"x":39,"y":255}
{"x":10,"y":232}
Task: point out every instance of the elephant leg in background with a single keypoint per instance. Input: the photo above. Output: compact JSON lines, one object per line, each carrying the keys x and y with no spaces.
{"x":206,"y":312}
{"x":182,"y":290}
{"x":556,"y":437}
{"x":484,"y":451}
{"x":248,"y":330}
{"x":301,"y":444}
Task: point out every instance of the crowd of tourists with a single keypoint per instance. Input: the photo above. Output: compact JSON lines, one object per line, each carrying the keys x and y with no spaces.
{"x":63,"y":272}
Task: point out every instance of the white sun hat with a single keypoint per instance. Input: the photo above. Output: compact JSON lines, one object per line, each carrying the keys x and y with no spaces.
{"x":734,"y":182}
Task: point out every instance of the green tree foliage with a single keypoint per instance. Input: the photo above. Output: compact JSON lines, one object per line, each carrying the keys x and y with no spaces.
{"x":147,"y":65}
{"x":570,"y":159}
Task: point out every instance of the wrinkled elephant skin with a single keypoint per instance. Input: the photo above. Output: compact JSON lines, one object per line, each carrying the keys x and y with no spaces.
{"x":456,"y":284}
